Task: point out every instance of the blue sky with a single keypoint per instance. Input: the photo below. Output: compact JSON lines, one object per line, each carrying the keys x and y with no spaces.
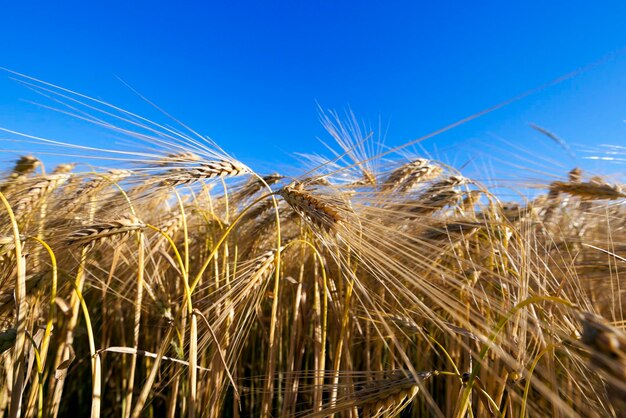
{"x":250,"y":74}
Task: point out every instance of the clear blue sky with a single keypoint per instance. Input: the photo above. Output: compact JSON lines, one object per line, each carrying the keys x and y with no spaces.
{"x":249,"y":74}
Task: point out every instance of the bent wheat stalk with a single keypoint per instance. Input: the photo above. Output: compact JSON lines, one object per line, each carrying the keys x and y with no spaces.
{"x":21,"y":308}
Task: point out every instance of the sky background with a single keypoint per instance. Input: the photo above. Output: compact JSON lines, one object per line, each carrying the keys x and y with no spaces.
{"x":251,"y":74}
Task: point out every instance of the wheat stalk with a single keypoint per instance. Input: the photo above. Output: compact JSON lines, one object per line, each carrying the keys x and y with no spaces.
{"x":322,"y":214}
{"x":36,"y":192}
{"x":24,"y":166}
{"x":408,"y":175}
{"x":591,"y":190}
{"x":608,"y":355}
{"x":92,"y":234}
{"x":204,"y":171}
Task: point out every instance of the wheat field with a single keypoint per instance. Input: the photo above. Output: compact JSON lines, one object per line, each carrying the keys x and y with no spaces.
{"x":179,"y":282}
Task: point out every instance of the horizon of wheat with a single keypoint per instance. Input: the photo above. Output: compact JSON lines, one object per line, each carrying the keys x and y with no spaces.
{"x":181,"y":282}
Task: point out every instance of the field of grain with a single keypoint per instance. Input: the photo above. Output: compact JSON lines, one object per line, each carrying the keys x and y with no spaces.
{"x":178,"y":282}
